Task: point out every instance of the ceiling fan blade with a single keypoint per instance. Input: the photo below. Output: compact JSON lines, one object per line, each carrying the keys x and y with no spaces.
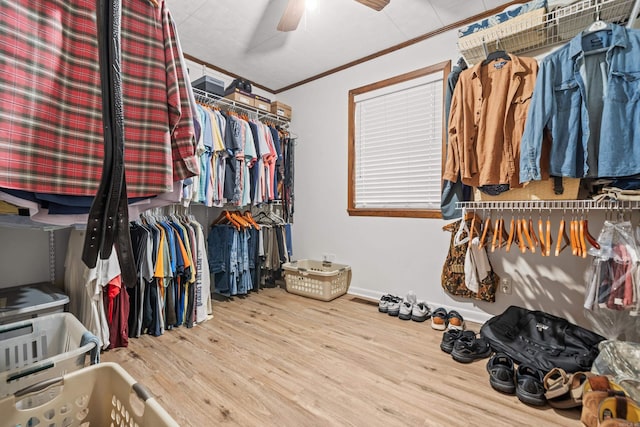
{"x":291,"y":16}
{"x":374,"y":4}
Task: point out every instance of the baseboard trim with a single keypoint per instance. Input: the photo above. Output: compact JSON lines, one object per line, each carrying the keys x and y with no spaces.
{"x":470,"y":315}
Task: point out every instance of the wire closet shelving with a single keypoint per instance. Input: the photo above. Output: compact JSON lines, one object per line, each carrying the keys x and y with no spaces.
{"x":542,"y":28}
{"x":222,"y":102}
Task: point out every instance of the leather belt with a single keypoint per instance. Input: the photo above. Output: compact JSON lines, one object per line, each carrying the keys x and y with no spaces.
{"x":108,"y":222}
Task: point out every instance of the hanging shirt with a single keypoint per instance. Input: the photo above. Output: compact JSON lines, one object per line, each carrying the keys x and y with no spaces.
{"x":50,"y":99}
{"x":594,"y":129}
{"x":486,"y":121}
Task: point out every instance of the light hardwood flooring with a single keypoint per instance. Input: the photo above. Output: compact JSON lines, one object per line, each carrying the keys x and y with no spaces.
{"x":277,"y":359}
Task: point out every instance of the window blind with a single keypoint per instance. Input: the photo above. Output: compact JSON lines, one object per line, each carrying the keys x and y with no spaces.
{"x":398,"y":145}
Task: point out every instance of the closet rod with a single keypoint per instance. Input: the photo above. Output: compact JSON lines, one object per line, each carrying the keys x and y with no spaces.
{"x":215,"y":100}
{"x":533,"y":205}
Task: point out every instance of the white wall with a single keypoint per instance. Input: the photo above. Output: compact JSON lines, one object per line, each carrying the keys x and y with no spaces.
{"x":395,"y":255}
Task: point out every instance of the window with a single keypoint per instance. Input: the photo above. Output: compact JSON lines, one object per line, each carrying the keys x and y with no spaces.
{"x":396,"y":144}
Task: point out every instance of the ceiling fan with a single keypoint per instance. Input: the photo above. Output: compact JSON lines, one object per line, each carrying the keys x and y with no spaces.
{"x":295,"y":8}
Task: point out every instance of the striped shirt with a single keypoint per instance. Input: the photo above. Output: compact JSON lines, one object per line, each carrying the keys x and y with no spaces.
{"x":51,"y":138}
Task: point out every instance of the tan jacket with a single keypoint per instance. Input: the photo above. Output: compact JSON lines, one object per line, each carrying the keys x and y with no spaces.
{"x":486,"y":122}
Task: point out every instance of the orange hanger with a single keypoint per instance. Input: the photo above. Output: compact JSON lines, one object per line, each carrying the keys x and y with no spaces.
{"x":562,"y":237}
{"x":521,"y":242}
{"x":532,"y":233}
{"x":526,"y":232}
{"x":497,"y":231}
{"x":581,"y":239}
{"x":573,"y":237}
{"x":512,"y":229}
{"x":485,"y":229}
{"x":543,"y":247}
{"x":247,"y":215}
{"x":548,"y":239}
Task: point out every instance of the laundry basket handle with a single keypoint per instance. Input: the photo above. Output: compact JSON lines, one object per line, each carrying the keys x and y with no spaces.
{"x":141,"y":392}
{"x":38,"y":387}
{"x":34,"y":369}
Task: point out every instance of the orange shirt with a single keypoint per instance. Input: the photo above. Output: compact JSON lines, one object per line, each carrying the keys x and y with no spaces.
{"x":488,"y":112}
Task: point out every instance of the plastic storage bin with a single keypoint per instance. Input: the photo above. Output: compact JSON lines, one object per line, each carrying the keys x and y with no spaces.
{"x":27,"y":301}
{"x":99,"y":395}
{"x":316,"y":279}
{"x":39,"y":349}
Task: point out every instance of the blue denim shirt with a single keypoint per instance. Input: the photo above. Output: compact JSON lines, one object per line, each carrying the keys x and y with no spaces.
{"x":559,"y":104}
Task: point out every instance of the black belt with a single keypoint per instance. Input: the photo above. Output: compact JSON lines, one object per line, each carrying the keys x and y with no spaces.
{"x":108,"y":222}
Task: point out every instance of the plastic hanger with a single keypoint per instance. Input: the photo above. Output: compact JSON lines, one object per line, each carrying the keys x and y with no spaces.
{"x":497,"y":234}
{"x":485,"y":229}
{"x":543,"y":247}
{"x":562,"y":237}
{"x":498,"y":54}
{"x":512,"y":230}
{"x":521,"y":242}
{"x":532,"y":232}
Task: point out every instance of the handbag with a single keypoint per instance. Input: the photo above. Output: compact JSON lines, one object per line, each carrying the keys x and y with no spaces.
{"x":453,"y":276}
{"x":542,"y":340}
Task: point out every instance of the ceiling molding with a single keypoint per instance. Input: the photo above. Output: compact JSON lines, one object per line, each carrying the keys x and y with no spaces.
{"x":375,"y":55}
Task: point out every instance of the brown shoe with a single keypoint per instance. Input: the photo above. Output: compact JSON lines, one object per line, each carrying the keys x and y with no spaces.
{"x":620,"y":409}
{"x":596,"y":389}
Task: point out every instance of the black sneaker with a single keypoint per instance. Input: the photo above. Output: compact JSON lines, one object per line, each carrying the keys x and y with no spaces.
{"x":466,"y":349}
{"x":449,"y":338}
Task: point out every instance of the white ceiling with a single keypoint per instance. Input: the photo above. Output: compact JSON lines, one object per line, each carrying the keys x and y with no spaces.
{"x":240,"y":36}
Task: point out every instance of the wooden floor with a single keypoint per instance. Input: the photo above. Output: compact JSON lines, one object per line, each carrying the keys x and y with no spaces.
{"x":277,"y":359}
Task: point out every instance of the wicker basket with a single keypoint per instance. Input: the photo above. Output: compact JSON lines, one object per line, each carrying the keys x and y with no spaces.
{"x":99,"y":395}
{"x":316,"y":279}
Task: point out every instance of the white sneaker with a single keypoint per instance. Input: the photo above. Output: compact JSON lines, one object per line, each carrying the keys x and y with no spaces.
{"x":393,"y":307}
{"x":421,"y":312}
{"x":406,"y":308}
{"x":411,"y":297}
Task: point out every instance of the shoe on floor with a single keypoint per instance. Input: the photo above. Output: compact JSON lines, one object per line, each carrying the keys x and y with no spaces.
{"x":529,"y":385}
{"x":383,"y":304}
{"x":439,"y":319}
{"x":449,"y":338}
{"x":411,"y":297}
{"x":406,"y":308}
{"x":455,"y":320}
{"x":393,"y":307}
{"x":622,"y":409}
{"x":466,"y":349}
{"x":421,"y":312}
{"x":501,"y":373}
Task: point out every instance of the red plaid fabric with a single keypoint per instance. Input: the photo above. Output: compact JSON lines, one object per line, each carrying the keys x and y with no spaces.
{"x":50,"y":121}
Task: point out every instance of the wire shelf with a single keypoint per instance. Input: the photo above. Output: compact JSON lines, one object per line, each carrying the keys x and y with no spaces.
{"x":537,"y":29}
{"x":219,"y":101}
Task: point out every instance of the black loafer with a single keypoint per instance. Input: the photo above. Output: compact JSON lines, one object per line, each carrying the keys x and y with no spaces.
{"x":501,"y":373}
{"x":530,"y":386}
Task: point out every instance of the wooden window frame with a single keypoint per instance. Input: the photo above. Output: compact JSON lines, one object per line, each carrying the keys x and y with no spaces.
{"x":445,"y":68}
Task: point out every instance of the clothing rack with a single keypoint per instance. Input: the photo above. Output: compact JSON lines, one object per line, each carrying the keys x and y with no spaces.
{"x":536,"y":205}
{"x":219,"y":101}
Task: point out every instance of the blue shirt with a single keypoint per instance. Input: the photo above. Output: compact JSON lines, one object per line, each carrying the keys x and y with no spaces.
{"x":563,"y":102}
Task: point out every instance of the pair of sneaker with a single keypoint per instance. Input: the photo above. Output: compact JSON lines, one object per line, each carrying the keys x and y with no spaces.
{"x":389,"y":301}
{"x":412,"y":309}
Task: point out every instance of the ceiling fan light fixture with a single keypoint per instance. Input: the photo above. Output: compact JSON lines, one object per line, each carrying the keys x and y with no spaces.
{"x":374,"y":4}
{"x":311,"y":5}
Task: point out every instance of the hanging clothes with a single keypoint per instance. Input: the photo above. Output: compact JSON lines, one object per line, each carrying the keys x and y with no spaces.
{"x":586,"y":96}
{"x":488,"y":110}
{"x":42,"y":91}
